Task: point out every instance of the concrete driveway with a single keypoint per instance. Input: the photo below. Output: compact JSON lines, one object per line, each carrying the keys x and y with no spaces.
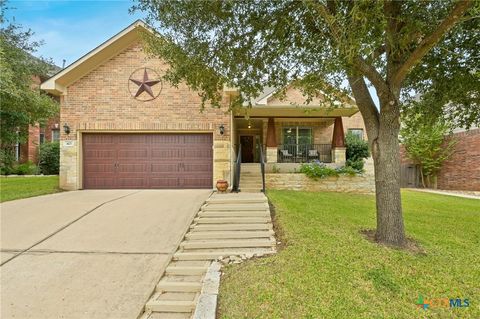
{"x":89,"y":254}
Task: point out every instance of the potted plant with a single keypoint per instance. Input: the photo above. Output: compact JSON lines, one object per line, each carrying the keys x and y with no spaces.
{"x":222,"y":185}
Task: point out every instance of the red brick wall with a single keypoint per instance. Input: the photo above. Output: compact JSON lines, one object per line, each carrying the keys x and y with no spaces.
{"x":462,"y":170}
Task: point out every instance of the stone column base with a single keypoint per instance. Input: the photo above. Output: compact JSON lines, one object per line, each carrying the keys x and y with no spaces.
{"x":272,"y":155}
{"x":339,"y":155}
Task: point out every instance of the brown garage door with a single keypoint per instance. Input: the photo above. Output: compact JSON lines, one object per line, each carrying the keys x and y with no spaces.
{"x":147,"y":160}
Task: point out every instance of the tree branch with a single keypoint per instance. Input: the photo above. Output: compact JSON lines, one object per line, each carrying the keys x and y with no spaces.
{"x":430,"y":41}
{"x":358,"y":62}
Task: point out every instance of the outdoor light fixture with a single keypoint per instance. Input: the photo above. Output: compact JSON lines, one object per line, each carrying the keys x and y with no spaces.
{"x":66,"y":128}
{"x":222,"y":129}
{"x":249,"y":125}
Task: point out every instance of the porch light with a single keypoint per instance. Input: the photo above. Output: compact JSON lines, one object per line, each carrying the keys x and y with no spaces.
{"x":66,"y":128}
{"x":222,"y":129}
{"x":249,"y":125}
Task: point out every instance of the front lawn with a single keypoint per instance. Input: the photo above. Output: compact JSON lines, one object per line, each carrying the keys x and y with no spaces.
{"x":328,"y":269}
{"x":22,"y":187}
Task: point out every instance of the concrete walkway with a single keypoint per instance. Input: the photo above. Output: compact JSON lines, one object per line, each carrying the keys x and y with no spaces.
{"x":449,"y":193}
{"x":233,"y":226}
{"x":89,"y":254}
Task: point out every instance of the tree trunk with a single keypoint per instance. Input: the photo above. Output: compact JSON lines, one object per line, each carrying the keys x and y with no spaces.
{"x":386,"y":158}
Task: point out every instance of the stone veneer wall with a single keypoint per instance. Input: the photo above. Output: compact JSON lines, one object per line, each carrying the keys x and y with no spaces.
{"x":101,"y":102}
{"x":360,"y":184}
{"x":299,"y":182}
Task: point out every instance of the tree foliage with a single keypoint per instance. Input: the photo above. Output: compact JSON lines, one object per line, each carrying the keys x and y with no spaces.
{"x":426,"y":143}
{"x":396,"y":46}
{"x":356,"y":151}
{"x":22,"y":104}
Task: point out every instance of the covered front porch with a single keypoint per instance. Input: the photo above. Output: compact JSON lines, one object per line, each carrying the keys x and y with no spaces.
{"x":291,"y":140}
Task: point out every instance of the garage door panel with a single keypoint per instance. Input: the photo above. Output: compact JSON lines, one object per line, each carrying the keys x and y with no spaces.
{"x":132,"y":182}
{"x":99,"y":168}
{"x":165,"y":167}
{"x":164,"y":182}
{"x":133,"y":168}
{"x":138,"y":153}
{"x":167,"y":153}
{"x":147,"y":160}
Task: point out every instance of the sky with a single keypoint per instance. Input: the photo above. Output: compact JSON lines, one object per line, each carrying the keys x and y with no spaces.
{"x":71,"y":28}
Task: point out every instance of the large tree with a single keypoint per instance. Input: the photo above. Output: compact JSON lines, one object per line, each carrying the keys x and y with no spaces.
{"x":21,"y":102}
{"x":399,"y":47}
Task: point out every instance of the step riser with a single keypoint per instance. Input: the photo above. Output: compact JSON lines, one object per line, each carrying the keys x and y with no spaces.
{"x":234,"y":214}
{"x":175,"y":287}
{"x":188,"y":246}
{"x":157,"y":306}
{"x":212,"y":256}
{"x":228,"y":220}
{"x":186,"y":271}
{"x":203,"y":228}
{"x":200,"y":236}
{"x":237,"y":208}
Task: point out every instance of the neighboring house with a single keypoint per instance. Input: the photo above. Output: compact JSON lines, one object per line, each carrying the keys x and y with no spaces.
{"x":38,"y":134}
{"x":461,"y":171}
{"x":129,"y":129}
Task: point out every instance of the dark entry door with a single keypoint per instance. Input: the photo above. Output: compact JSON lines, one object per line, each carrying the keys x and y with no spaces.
{"x":147,"y":161}
{"x":247,"y":142}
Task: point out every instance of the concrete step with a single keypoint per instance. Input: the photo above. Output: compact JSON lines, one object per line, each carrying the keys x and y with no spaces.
{"x":237,"y":200}
{"x":230,"y":234}
{"x":220,"y":227}
{"x":187,"y":270}
{"x":179,"y":286}
{"x":232,"y":220}
{"x":235,"y":214}
{"x":170,"y":305}
{"x":231,"y":243}
{"x":251,"y":190}
{"x":235,"y":207}
{"x":212,"y":255}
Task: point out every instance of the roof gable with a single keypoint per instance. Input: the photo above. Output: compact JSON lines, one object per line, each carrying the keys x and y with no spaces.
{"x":58,"y":83}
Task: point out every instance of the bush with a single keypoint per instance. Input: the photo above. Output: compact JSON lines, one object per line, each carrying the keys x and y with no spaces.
{"x":7,"y":159}
{"x":27,"y":168}
{"x":49,"y":162}
{"x":317,"y":170}
{"x":357,"y":150}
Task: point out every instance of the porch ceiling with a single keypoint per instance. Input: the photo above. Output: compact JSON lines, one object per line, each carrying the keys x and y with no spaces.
{"x":287,"y":112}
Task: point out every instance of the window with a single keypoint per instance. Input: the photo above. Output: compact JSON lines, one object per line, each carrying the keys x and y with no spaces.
{"x":358,"y":132}
{"x":55,"y":135}
{"x":297,"y":135}
{"x":42,"y":137}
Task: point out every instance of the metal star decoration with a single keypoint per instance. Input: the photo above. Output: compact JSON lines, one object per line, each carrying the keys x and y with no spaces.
{"x":145,"y":85}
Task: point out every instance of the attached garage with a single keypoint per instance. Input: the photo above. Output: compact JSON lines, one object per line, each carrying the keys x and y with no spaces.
{"x":143,"y":161}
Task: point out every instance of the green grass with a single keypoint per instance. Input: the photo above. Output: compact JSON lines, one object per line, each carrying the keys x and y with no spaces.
{"x":22,"y":187}
{"x":329,"y":270}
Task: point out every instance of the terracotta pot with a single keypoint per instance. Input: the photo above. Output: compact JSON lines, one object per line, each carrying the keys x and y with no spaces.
{"x":222,"y":185}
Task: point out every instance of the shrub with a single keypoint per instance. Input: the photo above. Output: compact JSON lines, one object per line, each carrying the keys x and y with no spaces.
{"x":357,"y":150}
{"x":7,"y":159}
{"x":49,"y":162}
{"x":317,"y":170}
{"x":27,"y":168}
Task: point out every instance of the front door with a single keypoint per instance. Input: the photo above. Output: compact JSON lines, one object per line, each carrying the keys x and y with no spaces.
{"x":247,"y":142}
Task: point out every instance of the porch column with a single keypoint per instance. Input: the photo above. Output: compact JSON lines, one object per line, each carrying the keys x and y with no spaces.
{"x":338,"y":143}
{"x":271,"y":142}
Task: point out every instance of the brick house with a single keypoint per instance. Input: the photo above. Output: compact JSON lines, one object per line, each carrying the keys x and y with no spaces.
{"x":129,"y":129}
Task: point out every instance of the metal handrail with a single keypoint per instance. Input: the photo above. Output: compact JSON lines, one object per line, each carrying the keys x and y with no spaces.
{"x":262,"y":168}
{"x":302,"y":153}
{"x":236,"y":173}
